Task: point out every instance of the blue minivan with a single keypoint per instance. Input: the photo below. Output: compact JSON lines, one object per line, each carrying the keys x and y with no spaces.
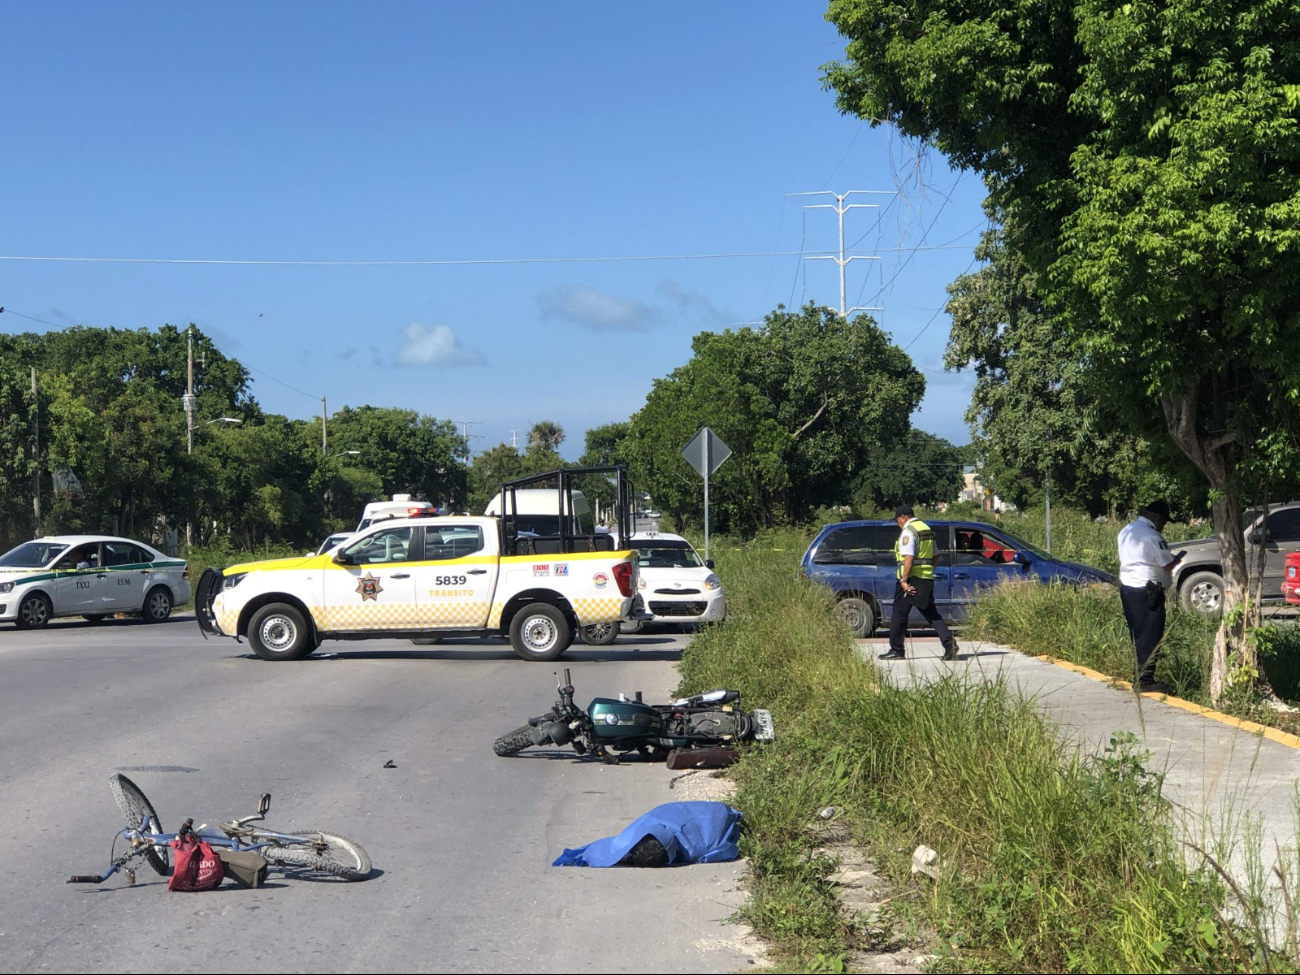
{"x":856,"y":559}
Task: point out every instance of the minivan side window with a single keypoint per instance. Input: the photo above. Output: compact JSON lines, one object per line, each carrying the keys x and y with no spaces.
{"x":858,"y":545}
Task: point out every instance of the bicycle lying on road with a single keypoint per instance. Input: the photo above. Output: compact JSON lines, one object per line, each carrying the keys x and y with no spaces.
{"x":310,"y":850}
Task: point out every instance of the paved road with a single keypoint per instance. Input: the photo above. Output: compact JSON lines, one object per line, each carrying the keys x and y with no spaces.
{"x":461,"y":840}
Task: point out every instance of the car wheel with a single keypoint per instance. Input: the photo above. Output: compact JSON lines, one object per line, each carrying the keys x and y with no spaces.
{"x":157,"y":605}
{"x":859,"y":616}
{"x":34,"y":611}
{"x":1202,"y":592}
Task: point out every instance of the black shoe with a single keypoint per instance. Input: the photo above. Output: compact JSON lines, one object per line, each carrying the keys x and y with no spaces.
{"x":1153,"y":687}
{"x":951,"y":652}
{"x":892,"y":655}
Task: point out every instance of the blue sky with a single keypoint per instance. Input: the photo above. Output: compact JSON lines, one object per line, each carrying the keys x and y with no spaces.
{"x":524,"y":135}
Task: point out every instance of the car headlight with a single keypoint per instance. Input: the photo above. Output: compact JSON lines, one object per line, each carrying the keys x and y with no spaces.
{"x":640,"y":582}
{"x":230,"y":582}
{"x":712,"y":582}
{"x":6,"y":587}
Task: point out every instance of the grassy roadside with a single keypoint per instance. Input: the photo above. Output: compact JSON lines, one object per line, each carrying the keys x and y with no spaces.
{"x":1052,"y":862}
{"x":222,"y":553}
{"x":1086,"y":626}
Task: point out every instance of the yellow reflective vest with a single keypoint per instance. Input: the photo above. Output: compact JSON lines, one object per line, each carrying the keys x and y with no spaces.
{"x":924,"y":561}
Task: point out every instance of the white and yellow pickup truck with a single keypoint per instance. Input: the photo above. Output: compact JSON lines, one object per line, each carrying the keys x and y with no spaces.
{"x":421,"y":578}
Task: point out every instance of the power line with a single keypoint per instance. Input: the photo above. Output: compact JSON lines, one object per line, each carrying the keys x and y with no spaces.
{"x":42,"y":321}
{"x":458,"y":262}
{"x":280,"y":381}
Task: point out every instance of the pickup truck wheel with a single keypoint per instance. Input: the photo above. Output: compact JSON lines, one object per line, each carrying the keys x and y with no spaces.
{"x":601,"y":634}
{"x":277,"y":631}
{"x":1202,"y":593}
{"x":539,"y":631}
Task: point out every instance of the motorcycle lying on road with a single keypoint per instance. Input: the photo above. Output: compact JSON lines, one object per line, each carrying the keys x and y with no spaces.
{"x":610,"y":728}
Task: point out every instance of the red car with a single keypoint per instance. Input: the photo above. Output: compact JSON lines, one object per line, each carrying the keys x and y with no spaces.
{"x":1291,"y":578}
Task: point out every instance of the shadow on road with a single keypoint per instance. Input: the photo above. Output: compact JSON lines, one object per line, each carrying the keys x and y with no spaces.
{"x":577,"y":654}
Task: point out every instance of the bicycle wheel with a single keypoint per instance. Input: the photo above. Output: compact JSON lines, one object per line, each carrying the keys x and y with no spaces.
{"x":328,"y":853}
{"x":136,"y":808}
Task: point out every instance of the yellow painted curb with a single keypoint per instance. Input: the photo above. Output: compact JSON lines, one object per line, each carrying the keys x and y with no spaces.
{"x":1273,"y":734}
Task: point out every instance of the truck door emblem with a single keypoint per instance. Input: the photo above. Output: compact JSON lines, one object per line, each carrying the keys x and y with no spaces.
{"x":369,"y":587}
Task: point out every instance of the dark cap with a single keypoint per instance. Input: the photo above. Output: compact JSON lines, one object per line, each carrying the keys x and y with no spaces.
{"x":904,"y":510}
{"x":1159,"y":509}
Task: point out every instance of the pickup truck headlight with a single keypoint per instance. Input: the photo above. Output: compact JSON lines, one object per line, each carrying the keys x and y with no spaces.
{"x":230,"y":582}
{"x":6,"y":587}
{"x":712,"y":582}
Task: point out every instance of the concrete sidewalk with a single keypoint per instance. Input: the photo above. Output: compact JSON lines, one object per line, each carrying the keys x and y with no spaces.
{"x":1224,"y":781}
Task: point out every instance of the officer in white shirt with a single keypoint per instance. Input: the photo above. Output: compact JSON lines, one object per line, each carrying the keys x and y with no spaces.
{"x":1145,"y":574}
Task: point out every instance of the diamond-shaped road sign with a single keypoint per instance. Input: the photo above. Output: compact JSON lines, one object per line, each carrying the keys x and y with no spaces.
{"x":706,"y":452}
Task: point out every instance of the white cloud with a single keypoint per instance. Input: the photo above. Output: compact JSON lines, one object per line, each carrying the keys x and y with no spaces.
{"x":435,"y":346}
{"x":599,"y":312}
{"x":695,"y":305}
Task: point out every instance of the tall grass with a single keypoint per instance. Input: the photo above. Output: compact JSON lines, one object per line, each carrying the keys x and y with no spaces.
{"x":221,"y":553}
{"x":1052,"y":861}
{"x":1086,"y":626}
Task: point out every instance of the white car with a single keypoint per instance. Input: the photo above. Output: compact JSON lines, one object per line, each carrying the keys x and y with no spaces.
{"x":93,"y":576}
{"x":333,"y":542}
{"x":675,"y":584}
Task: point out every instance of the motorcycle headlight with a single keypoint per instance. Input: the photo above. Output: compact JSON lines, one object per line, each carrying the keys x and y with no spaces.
{"x":230,"y":582}
{"x":6,"y":587}
{"x":712,"y":582}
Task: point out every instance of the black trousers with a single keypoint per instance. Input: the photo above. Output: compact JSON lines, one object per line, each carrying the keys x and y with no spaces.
{"x":923,"y":600}
{"x":1145,"y":614}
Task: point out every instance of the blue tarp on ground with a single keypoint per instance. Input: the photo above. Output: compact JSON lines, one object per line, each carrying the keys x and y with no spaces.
{"x":691,"y":832}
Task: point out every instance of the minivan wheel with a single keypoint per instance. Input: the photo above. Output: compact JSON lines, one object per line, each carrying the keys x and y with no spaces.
{"x":859,"y":616}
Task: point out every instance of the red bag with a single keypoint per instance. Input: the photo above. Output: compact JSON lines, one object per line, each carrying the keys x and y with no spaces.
{"x":196,"y":865}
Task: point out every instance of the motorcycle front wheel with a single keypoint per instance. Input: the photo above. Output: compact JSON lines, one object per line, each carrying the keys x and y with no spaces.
{"x":513,"y":742}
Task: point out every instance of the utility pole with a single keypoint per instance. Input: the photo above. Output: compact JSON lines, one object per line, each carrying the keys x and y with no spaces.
{"x":1047,"y":493}
{"x":188,"y":401}
{"x":324,"y":431}
{"x":841,"y":208}
{"x":36,"y":472}
{"x":188,"y":398}
{"x":465,"y":434}
{"x":514,"y":439}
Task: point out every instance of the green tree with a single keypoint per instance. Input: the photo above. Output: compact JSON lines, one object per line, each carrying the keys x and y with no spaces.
{"x":1147,"y":156}
{"x":17,"y":455}
{"x":604,"y":448}
{"x":922,"y":469}
{"x":412,"y":453}
{"x":801,"y":401}
{"x":1033,"y":411}
{"x":546,"y":435}
{"x":502,"y":463}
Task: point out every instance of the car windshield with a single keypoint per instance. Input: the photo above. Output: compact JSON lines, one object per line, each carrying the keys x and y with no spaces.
{"x":1020,"y":543}
{"x":666,"y":555}
{"x":32,"y":555}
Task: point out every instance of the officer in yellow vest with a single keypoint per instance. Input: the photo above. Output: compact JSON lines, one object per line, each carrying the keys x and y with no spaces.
{"x":916,"y":557}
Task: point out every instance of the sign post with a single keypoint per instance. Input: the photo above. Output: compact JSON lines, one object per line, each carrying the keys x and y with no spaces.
{"x":706,"y":452}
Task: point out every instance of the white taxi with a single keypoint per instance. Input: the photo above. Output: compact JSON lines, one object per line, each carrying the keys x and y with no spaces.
{"x":93,"y":576}
{"x":675,"y":584}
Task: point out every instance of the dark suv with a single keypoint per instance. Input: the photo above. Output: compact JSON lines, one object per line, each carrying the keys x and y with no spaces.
{"x":856,"y":559}
{"x":1198,"y":578}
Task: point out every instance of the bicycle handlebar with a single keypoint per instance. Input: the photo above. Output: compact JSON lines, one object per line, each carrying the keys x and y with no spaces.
{"x":80,"y":878}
